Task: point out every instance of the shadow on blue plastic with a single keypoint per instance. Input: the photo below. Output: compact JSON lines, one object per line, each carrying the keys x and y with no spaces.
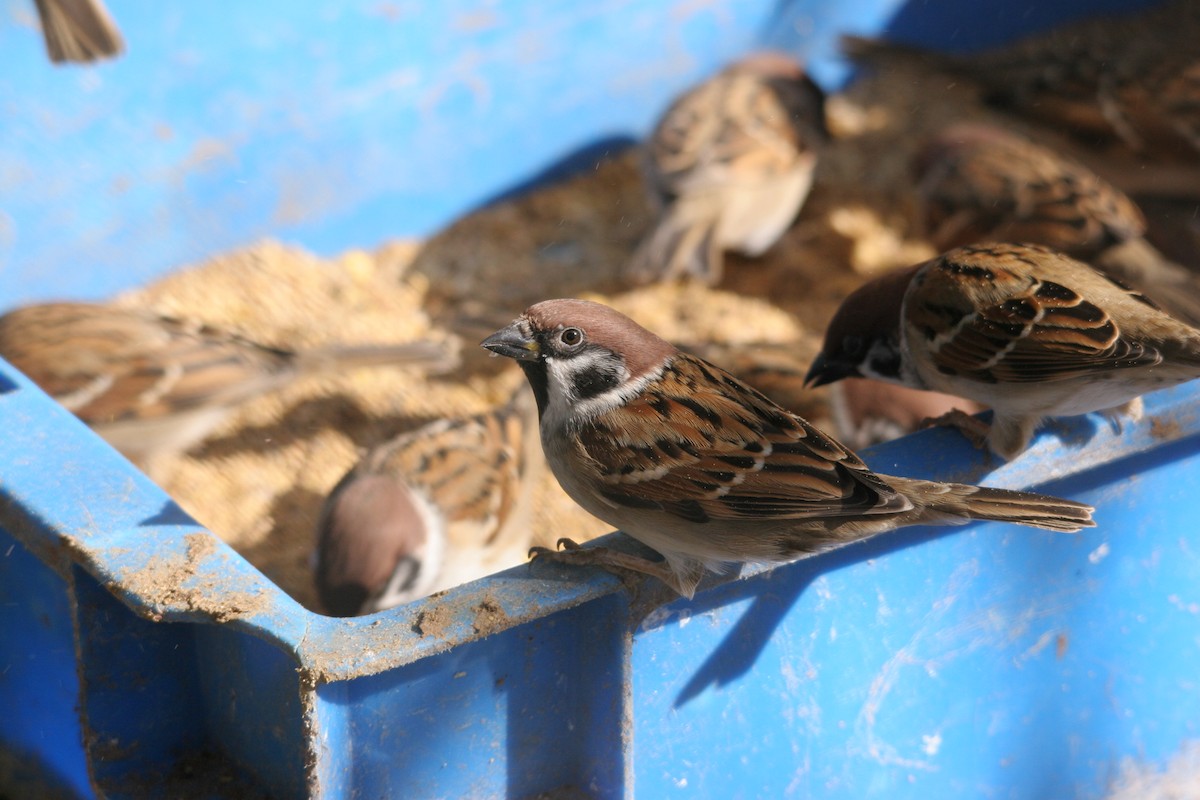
{"x":170,"y":514}
{"x":7,"y":384}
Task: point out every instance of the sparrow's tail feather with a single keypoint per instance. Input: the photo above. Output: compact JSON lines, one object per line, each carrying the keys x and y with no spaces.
{"x":433,"y":357}
{"x":78,"y":30}
{"x":950,"y":503}
{"x":682,"y":244}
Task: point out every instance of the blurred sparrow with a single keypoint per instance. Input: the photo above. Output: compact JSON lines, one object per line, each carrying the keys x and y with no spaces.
{"x":1133,"y":76}
{"x":151,"y":384}
{"x":729,"y":165}
{"x":705,"y":470}
{"x":1022,"y":329}
{"x":867,"y":412}
{"x":431,"y":509}
{"x":78,"y":30}
{"x":979,"y":183}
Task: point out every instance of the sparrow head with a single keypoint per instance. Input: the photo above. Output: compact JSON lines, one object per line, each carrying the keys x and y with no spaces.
{"x":378,"y":545}
{"x":863,"y":339}
{"x":803,"y":98}
{"x":580,"y":355}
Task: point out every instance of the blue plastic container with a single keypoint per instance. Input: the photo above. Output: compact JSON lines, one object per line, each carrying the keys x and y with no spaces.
{"x":985,"y":661}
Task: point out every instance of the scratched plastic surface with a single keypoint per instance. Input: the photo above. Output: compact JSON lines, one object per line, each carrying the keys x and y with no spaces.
{"x":141,"y":656}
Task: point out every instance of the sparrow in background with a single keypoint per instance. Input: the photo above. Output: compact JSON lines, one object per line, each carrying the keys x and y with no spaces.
{"x":729,"y":165}
{"x":776,"y":369}
{"x":978,"y":183}
{"x":1135,"y":76}
{"x":690,"y":461}
{"x":867,"y":412}
{"x":78,"y":30}
{"x":434,"y":508}
{"x":1025,"y":330}
{"x":151,"y":384}
{"x":864,"y":412}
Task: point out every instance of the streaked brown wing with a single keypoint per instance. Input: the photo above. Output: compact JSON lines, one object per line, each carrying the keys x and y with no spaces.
{"x":991,"y":323}
{"x":705,"y":446}
{"x":1000,"y":187}
{"x":107,"y":364}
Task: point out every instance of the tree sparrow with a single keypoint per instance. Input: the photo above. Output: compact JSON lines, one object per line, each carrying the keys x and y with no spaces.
{"x":151,"y":384}
{"x":978,"y":183}
{"x":1022,"y":329}
{"x":434,"y":508}
{"x":1135,"y":76}
{"x":705,"y":470}
{"x":866,"y":412}
{"x":78,"y":30}
{"x":729,"y":165}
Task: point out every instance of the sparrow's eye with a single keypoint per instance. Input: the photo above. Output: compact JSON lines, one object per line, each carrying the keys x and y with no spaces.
{"x":571,"y":337}
{"x":853,"y":345}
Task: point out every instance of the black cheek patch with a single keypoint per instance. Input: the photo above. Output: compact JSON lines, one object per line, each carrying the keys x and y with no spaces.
{"x":590,"y":383}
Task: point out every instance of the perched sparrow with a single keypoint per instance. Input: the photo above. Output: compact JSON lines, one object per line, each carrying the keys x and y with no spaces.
{"x":866,"y":411}
{"x":151,"y":384}
{"x":1134,"y":76}
{"x":78,"y":30}
{"x":730,"y":164}
{"x":1022,"y":329}
{"x":979,"y":183}
{"x":428,"y":510}
{"x":692,"y":462}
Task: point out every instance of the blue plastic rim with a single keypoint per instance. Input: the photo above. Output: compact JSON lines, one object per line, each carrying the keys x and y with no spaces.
{"x":142,"y":656}
{"x":981,"y":661}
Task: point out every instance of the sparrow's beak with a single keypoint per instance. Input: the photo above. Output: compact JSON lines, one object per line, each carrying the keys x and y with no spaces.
{"x":513,"y":342}
{"x":825,"y":370}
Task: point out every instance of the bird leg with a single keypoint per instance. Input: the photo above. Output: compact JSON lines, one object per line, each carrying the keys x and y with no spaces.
{"x":1134,"y":410}
{"x":975,"y":429}
{"x":629,"y":568}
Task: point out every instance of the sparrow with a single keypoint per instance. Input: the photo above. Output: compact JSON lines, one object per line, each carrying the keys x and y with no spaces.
{"x":1027,"y":331}
{"x":1131,"y":77}
{"x":78,"y":30}
{"x":866,"y":412}
{"x":728,"y":165}
{"x":979,"y":183}
{"x":705,"y":470}
{"x":152,"y":384}
{"x":431,"y":509}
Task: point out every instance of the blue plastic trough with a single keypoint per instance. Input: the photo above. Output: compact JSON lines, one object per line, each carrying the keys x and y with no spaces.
{"x":984,"y":661}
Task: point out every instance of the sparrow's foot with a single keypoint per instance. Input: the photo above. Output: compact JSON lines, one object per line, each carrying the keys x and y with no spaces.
{"x":975,"y":429}
{"x":1132,"y":411}
{"x":629,"y":568}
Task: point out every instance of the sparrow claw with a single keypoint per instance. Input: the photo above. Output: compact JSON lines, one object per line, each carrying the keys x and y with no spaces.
{"x":563,"y":545}
{"x":629,"y":568}
{"x":975,"y":429}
